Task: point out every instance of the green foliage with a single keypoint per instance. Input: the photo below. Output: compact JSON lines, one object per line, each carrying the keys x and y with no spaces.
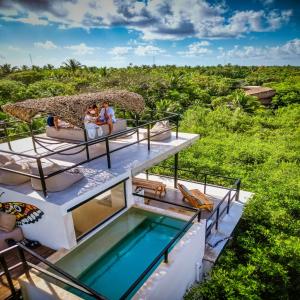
{"x":263,"y":260}
{"x":26,"y":77}
{"x":48,"y":88}
{"x":11,"y":91}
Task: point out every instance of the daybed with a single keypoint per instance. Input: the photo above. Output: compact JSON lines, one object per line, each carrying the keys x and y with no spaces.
{"x":9,"y":178}
{"x":57,"y":182}
{"x":77,"y":134}
{"x":159,"y":132}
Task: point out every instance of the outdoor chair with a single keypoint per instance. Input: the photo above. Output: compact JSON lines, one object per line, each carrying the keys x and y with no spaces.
{"x":156,"y":186}
{"x":196,"y":198}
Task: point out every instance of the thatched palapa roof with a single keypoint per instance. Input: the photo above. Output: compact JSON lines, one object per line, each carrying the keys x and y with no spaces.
{"x":72,"y":108}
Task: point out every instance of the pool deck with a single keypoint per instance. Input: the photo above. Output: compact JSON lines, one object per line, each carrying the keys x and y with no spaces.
{"x":97,"y":176}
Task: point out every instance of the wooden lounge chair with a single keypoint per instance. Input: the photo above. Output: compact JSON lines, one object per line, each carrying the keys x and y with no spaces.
{"x":156,"y":186}
{"x":196,"y":198}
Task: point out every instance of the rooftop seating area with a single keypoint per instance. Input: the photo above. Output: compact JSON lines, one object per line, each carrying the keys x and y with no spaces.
{"x":46,"y":167}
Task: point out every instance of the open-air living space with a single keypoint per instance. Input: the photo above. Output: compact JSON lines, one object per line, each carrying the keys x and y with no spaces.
{"x":97,"y":203}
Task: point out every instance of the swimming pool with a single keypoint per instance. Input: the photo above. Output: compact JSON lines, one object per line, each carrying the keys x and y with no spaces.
{"x":111,"y":260}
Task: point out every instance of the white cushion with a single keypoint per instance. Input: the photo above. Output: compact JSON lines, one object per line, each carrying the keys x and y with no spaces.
{"x":55,"y":183}
{"x":10,"y":178}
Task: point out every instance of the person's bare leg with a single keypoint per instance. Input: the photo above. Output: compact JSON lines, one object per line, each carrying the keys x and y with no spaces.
{"x":110,"y":125}
{"x":55,"y":120}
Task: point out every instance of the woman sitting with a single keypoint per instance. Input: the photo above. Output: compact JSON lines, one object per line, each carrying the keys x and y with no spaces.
{"x":90,"y":125}
{"x":107,"y":116}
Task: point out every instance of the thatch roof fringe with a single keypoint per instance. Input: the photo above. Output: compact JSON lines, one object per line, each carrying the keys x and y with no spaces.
{"x":72,"y":108}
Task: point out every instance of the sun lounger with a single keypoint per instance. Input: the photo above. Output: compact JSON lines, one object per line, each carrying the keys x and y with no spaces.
{"x":196,"y":198}
{"x":156,"y":186}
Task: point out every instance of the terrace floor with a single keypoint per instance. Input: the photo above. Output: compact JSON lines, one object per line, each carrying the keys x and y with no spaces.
{"x":97,"y":176}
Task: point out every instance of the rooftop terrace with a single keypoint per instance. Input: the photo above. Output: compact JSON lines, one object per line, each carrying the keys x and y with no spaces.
{"x":128,"y":155}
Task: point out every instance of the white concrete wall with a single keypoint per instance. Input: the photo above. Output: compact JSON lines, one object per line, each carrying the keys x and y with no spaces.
{"x":171,"y":280}
{"x":54,"y":229}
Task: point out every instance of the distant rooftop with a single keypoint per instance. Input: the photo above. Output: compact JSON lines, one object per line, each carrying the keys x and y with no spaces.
{"x":260,"y":92}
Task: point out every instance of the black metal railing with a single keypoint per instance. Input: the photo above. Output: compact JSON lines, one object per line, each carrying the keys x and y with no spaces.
{"x":218,"y":212}
{"x":84,"y":146}
{"x":63,"y":277}
{"x":164,"y":254}
{"x":233,"y":192}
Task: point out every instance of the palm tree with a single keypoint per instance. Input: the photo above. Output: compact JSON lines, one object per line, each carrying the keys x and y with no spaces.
{"x":24,"y":68}
{"x":48,"y":67}
{"x":72,"y":64}
{"x":7,"y":69}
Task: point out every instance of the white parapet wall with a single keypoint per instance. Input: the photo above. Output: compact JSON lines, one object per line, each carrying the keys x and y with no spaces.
{"x":171,"y":280}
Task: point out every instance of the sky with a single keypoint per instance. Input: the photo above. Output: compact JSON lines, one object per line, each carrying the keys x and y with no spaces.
{"x":121,"y":32}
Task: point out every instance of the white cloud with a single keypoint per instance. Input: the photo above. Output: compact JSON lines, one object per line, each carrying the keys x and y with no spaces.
{"x":289,"y":50}
{"x":196,"y":49}
{"x":13,"y":48}
{"x":119,"y":51}
{"x":159,"y":19}
{"x":81,"y":49}
{"x":148,"y":50}
{"x":48,"y":45}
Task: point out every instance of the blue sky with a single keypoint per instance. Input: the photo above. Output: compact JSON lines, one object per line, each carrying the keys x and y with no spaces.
{"x":119,"y":32}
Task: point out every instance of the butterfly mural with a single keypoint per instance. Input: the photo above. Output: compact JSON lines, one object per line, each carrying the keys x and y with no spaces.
{"x":25,"y":213}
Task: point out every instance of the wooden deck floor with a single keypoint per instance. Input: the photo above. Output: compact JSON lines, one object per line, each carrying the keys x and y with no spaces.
{"x":12,"y":258}
{"x":175,"y":196}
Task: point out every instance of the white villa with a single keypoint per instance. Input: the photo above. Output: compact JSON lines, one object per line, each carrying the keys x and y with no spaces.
{"x":116,"y":229}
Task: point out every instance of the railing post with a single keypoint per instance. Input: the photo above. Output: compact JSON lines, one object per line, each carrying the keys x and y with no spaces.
{"x":238,"y":187}
{"x":86,"y":145}
{"x":205,"y":183}
{"x":166,"y":255}
{"x":199,"y":215}
{"x":137,"y":129}
{"x":148,"y":136}
{"x":7,"y":136}
{"x":147,"y":174}
{"x":23,"y":260}
{"x":175,"y":170}
{"x":218,"y":215}
{"x":107,"y":152}
{"x":228,"y":202}
{"x":8,"y":278}
{"x":177,"y":125}
{"x":32,"y":136}
{"x":42,"y":177}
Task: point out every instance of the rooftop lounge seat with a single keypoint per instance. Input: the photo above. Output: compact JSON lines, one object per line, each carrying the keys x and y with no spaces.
{"x":196,"y":198}
{"x":8,"y":230}
{"x":77,"y":134}
{"x":156,"y":186}
{"x":10,"y":178}
{"x":56,"y":183}
{"x":159,"y":132}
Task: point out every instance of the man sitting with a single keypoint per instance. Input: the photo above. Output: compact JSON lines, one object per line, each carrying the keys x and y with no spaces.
{"x":107,"y":116}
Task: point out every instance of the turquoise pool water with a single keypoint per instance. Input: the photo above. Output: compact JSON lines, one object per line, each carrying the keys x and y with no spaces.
{"x":114,"y":271}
